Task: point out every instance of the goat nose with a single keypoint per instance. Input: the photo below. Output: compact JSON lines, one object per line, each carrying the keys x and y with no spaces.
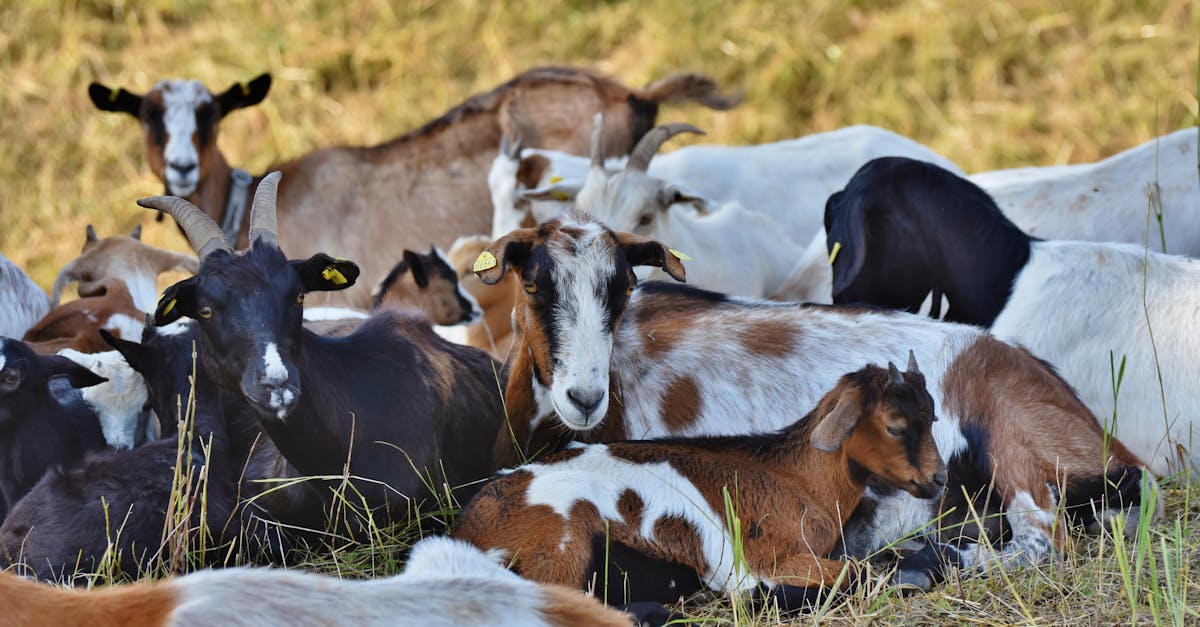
{"x":183,"y":168}
{"x":586,"y":401}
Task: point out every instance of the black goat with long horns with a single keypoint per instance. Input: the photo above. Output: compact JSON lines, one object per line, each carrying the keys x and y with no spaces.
{"x":400,"y":410}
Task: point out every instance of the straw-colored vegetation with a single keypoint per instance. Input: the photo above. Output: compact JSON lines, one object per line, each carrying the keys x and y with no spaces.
{"x":989,"y":85}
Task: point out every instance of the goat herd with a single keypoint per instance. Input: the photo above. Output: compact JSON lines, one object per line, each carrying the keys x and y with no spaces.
{"x":645,"y":440}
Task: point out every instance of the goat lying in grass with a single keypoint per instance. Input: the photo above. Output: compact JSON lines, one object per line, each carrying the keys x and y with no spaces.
{"x":791,"y":491}
{"x":445,"y":583}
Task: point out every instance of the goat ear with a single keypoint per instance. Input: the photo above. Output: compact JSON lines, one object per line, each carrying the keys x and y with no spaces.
{"x":416,"y":266}
{"x":245,"y":94}
{"x":509,"y":251}
{"x":322,"y":273}
{"x":80,"y":377}
{"x":115,"y":99}
{"x":130,"y":350}
{"x":671,"y":194}
{"x":643,"y":251}
{"x":829,"y":434}
{"x":90,"y":236}
{"x":176,"y":301}
{"x":562,"y":191}
{"x":846,"y":238}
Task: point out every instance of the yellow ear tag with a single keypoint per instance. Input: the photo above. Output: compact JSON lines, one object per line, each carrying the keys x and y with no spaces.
{"x":560,"y":195}
{"x":837,"y":248}
{"x":245,"y":89}
{"x":555,"y":179}
{"x":678,"y":255}
{"x":113,"y":93}
{"x":170,"y":306}
{"x":485,"y":261}
{"x":333,"y":275}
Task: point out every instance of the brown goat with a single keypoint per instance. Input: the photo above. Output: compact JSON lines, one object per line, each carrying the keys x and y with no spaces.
{"x":106,"y":305}
{"x":792,"y":491}
{"x":123,"y":257}
{"x":494,"y":333}
{"x":428,"y":185}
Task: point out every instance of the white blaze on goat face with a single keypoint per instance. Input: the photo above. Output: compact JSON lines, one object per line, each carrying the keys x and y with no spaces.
{"x":274,"y":372}
{"x":580,"y":321}
{"x":181,"y":160}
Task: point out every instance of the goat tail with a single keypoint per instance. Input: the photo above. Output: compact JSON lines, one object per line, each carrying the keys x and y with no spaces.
{"x":563,"y":607}
{"x":689,"y":86}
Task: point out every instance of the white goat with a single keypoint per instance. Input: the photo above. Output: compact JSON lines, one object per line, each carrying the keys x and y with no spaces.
{"x":22,"y":302}
{"x":120,"y":402}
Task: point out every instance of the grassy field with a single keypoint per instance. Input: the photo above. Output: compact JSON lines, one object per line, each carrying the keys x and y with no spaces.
{"x":989,"y":85}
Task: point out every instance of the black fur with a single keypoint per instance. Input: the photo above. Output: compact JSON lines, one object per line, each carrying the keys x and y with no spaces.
{"x":634,"y":577}
{"x":908,"y":228}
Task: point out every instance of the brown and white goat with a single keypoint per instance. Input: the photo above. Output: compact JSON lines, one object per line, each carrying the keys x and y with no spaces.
{"x":792,"y":491}
{"x":614,"y":361}
{"x":76,"y":325}
{"x":445,"y":583}
{"x":428,"y":185}
{"x":123,"y":257}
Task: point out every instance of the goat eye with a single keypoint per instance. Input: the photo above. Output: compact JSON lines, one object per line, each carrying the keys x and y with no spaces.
{"x":896,"y":431}
{"x":644,"y":221}
{"x":10,"y":377}
{"x":530,"y":287}
{"x":205,"y":312}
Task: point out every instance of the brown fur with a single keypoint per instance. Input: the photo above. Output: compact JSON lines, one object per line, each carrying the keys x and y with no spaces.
{"x":494,"y":333}
{"x":117,"y":257}
{"x":792,"y":499}
{"x":30,"y":604}
{"x":429,"y":185}
{"x":769,"y":338}
{"x":77,"y":324}
{"x":681,"y":404}
{"x":565,"y":607}
{"x":1045,"y":441}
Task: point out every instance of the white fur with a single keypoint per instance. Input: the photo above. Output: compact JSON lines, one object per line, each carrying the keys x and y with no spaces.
{"x":125,"y":326}
{"x":318,"y":314}
{"x":446,"y":583}
{"x":274,"y":372}
{"x":180,"y":99}
{"x":1075,"y":301}
{"x":22,"y":302}
{"x":1106,"y":201}
{"x":179,"y":327}
{"x":597,"y":477}
{"x":2,"y":358}
{"x":117,"y":402}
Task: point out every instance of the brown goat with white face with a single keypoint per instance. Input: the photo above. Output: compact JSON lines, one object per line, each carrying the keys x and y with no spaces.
{"x":123,"y":257}
{"x":425,"y":186}
{"x":792,"y":491}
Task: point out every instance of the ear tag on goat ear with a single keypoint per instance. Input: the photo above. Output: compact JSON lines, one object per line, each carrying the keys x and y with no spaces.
{"x":678,"y":255}
{"x":113,"y":93}
{"x":245,"y":88}
{"x":555,"y":179}
{"x":560,"y":195}
{"x":333,"y":275}
{"x":485,"y":261}
{"x":170,"y":306}
{"x":837,"y":248}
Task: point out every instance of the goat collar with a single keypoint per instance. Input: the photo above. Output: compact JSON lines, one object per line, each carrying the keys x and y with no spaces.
{"x":235,"y":203}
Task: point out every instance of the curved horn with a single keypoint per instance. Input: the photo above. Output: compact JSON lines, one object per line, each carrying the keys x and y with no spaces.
{"x":639,"y":159}
{"x":598,"y":141}
{"x":263,"y":226}
{"x":511,"y":149}
{"x":912,"y":363}
{"x":204,"y":234}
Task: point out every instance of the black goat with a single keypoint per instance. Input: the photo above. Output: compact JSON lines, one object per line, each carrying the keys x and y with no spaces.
{"x":403,"y":410}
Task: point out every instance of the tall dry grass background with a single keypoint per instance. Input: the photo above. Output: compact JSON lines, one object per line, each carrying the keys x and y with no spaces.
{"x":989,"y":85}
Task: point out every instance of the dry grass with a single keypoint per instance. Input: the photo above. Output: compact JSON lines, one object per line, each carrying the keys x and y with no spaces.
{"x":989,"y":85}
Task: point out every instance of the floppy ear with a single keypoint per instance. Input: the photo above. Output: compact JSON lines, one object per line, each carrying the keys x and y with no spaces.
{"x":131,"y":351}
{"x":322,"y":273}
{"x":670,"y":194}
{"x":80,"y":377}
{"x":176,"y":301}
{"x":244,"y":94}
{"x":416,"y":266}
{"x":829,"y":434}
{"x":562,"y":191}
{"x":509,"y":251}
{"x":115,"y":99}
{"x":643,"y":251}
{"x":845,"y":232}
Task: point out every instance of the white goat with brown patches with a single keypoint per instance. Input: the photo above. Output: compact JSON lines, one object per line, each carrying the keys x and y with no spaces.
{"x":792,"y":491}
{"x":615,"y":361}
{"x":444,"y":584}
{"x":424,"y":186}
{"x":125,"y":258}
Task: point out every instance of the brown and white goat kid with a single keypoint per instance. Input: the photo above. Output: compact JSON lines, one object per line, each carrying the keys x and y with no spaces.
{"x":430,"y":282}
{"x":125,"y":258}
{"x":76,"y":325}
{"x":616,"y":361}
{"x":792,"y":491}
{"x":428,"y":185}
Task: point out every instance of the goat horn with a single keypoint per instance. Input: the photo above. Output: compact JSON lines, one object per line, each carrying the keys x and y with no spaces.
{"x":263,"y":226}
{"x":598,"y":141}
{"x":894,"y":377}
{"x":912,"y":363}
{"x":640,"y":158}
{"x":204,"y":234}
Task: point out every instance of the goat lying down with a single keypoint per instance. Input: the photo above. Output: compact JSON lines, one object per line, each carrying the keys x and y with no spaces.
{"x":1069,"y":302}
{"x":792,"y":491}
{"x":612,"y":360}
{"x":445,"y":583}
